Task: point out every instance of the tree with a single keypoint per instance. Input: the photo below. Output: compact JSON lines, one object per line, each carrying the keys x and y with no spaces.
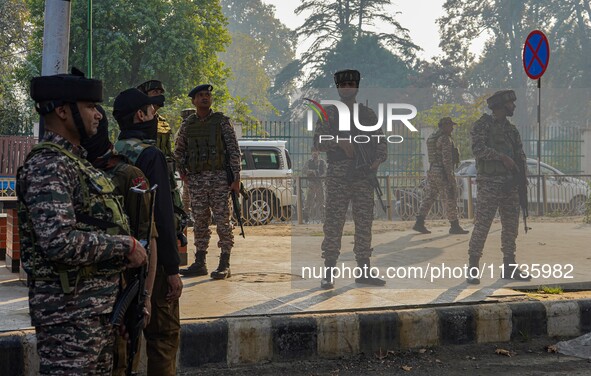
{"x":261,"y":47}
{"x":342,"y":24}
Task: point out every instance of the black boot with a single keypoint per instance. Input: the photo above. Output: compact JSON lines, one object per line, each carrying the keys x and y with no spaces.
{"x":366,"y":277}
{"x":197,"y":268}
{"x":473,"y":271}
{"x":327,"y":282}
{"x":512,"y":270}
{"x":223,"y":270}
{"x":420,"y":225}
{"x":456,"y":228}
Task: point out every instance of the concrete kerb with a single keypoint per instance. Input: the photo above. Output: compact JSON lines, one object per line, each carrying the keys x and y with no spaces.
{"x":246,"y":340}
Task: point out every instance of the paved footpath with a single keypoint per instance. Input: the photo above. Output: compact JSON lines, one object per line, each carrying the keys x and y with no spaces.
{"x":269,"y":282}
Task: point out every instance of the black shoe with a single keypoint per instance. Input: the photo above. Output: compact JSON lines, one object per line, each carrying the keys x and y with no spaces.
{"x":457,"y":229}
{"x":196,"y":269}
{"x":327,"y":282}
{"x":420,"y":225}
{"x":473,"y":280}
{"x":223,"y":270}
{"x":473,"y":263}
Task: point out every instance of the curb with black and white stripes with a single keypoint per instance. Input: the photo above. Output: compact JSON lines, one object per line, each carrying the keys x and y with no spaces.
{"x":282,"y":338}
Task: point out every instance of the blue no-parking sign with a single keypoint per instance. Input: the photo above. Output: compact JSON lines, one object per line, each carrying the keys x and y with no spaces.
{"x":536,"y":54}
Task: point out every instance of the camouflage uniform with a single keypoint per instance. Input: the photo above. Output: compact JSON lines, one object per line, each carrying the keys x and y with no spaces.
{"x":346,"y":184}
{"x":74,"y":335}
{"x":186,"y":198}
{"x":315,"y":170}
{"x":136,"y":142}
{"x":124,"y":176}
{"x":496,"y":188}
{"x":208,"y":186}
{"x":443,"y":156}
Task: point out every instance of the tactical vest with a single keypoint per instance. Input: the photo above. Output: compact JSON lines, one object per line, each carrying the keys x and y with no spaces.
{"x":102,"y":211}
{"x":132,"y":148}
{"x":434,"y":154}
{"x":205,"y":146}
{"x":498,"y":138}
{"x":163,"y":137}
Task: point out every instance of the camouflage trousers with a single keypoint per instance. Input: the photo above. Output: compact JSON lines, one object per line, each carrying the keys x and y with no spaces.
{"x":315,"y":197}
{"x":163,"y":332}
{"x":210,"y":195}
{"x":340,"y":191}
{"x":81,"y":347}
{"x":493,"y":195}
{"x":186,"y":198}
{"x":436,"y":185}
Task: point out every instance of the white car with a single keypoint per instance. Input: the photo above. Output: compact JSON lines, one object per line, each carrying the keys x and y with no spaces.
{"x":267,"y":178}
{"x":565,"y":194}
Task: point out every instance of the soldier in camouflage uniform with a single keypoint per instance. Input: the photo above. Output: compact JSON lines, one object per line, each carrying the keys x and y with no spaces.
{"x":125,"y":176}
{"x":205,"y":146}
{"x":135,"y":114}
{"x":74,"y":234}
{"x":443,"y":157}
{"x":497,"y":147}
{"x":154,"y":88}
{"x":348,"y":181}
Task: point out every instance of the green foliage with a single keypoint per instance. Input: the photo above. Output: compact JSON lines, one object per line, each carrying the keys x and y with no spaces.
{"x":341,"y":36}
{"x":261,"y":47}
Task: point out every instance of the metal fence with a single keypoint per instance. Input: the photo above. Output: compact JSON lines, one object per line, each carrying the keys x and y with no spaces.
{"x":286,"y":199}
{"x":561,"y":147}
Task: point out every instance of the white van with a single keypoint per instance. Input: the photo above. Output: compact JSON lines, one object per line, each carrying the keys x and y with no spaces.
{"x":267,"y":177}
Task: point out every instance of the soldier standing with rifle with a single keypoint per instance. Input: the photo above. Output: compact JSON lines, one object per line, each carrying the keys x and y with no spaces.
{"x":349,"y":179}
{"x":443,"y":156}
{"x":127,"y":179}
{"x":135,"y":114}
{"x":73,"y":232}
{"x":497,"y":147}
{"x":208,"y":153}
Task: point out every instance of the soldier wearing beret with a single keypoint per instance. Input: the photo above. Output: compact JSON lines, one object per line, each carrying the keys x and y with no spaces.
{"x":443,"y":157}
{"x":136,"y":115}
{"x":347,"y":183}
{"x":206,"y":144}
{"x":74,"y":235}
{"x":497,"y":147}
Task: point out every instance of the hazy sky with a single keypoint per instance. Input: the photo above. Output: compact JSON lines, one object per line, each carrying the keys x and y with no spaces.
{"x":418,"y":16}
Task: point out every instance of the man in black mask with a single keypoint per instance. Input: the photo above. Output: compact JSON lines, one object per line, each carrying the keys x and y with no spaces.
{"x":135,"y":113}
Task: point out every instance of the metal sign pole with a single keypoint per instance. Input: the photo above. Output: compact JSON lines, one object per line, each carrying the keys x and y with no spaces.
{"x":540,"y":206}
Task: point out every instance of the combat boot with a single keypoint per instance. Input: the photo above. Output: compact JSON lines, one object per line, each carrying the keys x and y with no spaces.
{"x":223,"y":270}
{"x":197,"y":268}
{"x":366,"y":277}
{"x":420,"y":225}
{"x":456,"y":228}
{"x":512,"y":271}
{"x":327,"y":282}
{"x":473,"y":271}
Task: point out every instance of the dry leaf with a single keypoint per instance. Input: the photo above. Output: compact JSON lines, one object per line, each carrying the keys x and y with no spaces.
{"x":504,"y":352}
{"x":438,"y":361}
{"x":551,"y":349}
{"x":422,"y":351}
{"x":406,"y":368}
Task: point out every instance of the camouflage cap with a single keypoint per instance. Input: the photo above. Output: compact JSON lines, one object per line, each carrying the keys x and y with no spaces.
{"x":151,"y":85}
{"x":65,"y":88}
{"x":500,"y":98}
{"x":347,"y":75}
{"x":446,"y":121}
{"x":186,"y":112}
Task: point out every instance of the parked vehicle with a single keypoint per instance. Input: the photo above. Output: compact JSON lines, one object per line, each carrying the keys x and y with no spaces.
{"x":563,"y":193}
{"x":408,"y":201}
{"x":267,"y":177}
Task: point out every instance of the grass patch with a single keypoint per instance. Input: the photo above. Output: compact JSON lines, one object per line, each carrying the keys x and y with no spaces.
{"x":550,"y":290}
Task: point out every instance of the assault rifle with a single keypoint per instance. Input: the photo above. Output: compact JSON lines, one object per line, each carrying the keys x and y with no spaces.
{"x":363,"y":165}
{"x":129,"y":308}
{"x":521,"y":182}
{"x":235,"y":201}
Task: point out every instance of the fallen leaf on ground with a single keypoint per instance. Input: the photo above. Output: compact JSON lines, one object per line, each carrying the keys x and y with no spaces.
{"x":551,"y":349}
{"x":505,"y":352}
{"x":422,"y":351}
{"x":406,"y":368}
